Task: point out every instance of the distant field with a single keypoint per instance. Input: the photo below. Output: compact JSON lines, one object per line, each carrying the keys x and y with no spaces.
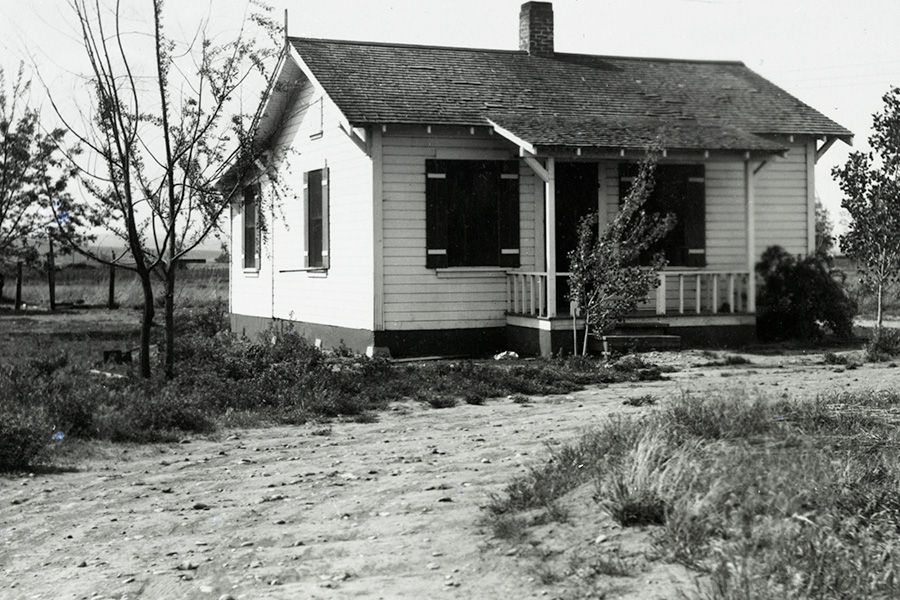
{"x":84,"y":284}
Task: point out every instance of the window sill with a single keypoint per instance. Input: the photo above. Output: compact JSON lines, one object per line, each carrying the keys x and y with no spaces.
{"x":469,"y":272}
{"x":251,"y":272}
{"x":311,"y":271}
{"x":317,"y":136}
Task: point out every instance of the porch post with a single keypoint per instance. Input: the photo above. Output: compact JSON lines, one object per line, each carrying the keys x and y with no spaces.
{"x":550,"y":236}
{"x":751,"y":236}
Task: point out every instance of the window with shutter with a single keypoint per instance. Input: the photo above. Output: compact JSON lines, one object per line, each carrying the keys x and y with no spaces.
{"x":680,"y":190}
{"x":250,"y":214}
{"x":316,"y":202}
{"x":472,"y":213}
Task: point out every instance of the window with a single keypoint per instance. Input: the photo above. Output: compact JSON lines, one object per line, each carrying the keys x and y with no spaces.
{"x":250,"y":211}
{"x":680,"y":190}
{"x":315,"y":196}
{"x":472,"y":213}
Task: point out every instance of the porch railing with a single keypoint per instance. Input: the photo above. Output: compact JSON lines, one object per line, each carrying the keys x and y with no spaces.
{"x":680,"y":292}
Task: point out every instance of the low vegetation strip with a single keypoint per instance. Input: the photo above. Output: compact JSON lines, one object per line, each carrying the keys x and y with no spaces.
{"x":227,"y":380}
{"x":765,"y":498}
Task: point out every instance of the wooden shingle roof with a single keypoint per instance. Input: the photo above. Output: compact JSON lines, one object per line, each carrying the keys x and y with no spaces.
{"x":567,"y":100}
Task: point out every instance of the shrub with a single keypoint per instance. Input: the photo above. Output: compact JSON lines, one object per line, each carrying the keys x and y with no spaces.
{"x":25,"y":426}
{"x":25,"y":432}
{"x":801,"y":297}
{"x":884,"y":345}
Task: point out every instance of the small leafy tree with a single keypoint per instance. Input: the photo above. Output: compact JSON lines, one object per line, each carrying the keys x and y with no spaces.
{"x":871,"y":185}
{"x":607,"y":279}
{"x":35,"y":204}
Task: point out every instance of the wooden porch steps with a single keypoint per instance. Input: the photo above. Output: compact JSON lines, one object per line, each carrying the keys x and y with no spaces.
{"x":639,"y":336}
{"x":640,"y":343}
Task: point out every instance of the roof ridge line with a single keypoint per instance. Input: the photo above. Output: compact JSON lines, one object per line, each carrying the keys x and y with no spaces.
{"x":402,"y":45}
{"x":505,"y":51}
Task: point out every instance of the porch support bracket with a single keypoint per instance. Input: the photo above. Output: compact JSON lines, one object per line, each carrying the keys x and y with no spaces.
{"x":828,"y":143}
{"x":355,"y":138}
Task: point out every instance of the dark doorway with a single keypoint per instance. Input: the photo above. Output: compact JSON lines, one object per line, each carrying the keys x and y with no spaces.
{"x":577,"y":186}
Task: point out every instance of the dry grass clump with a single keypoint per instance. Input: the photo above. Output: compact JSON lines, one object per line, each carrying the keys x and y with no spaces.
{"x":770,"y":499}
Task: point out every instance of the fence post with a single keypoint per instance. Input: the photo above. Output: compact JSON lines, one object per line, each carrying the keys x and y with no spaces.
{"x":51,"y":275}
{"x":19,"y":286}
{"x":111,"y":303}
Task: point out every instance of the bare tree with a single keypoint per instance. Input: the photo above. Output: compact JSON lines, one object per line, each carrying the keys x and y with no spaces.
{"x":159,"y":145}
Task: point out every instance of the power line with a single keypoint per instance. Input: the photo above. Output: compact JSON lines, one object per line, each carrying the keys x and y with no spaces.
{"x":832,"y":67}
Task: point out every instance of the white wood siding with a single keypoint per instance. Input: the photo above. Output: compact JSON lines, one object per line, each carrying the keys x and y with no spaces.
{"x":782,"y":202}
{"x":344,"y":295}
{"x":418,"y":298}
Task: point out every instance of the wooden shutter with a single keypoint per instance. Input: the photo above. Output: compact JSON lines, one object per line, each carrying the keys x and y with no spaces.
{"x":251,"y":228}
{"x":694,"y":216}
{"x":508,"y":215}
{"x":315,"y":218}
{"x":437,"y":197}
{"x":306,"y":219}
{"x":326,"y":187}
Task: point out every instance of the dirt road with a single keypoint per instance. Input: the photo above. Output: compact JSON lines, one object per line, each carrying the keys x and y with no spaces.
{"x":381,"y":510}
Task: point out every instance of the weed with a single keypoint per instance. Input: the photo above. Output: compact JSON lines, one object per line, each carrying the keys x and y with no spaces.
{"x":884,"y":345}
{"x":730,"y":360}
{"x":368,"y":416}
{"x":638,"y":401}
{"x":596,"y":564}
{"x":509,"y":527}
{"x":830,"y":358}
{"x":520,"y":399}
{"x":546,"y":575}
{"x":473,"y":398}
{"x":437,"y":400}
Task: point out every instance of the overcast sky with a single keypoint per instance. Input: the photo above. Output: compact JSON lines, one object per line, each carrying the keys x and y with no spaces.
{"x":838,"y":56}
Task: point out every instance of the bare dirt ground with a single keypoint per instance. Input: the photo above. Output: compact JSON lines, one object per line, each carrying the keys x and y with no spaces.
{"x":381,"y":510}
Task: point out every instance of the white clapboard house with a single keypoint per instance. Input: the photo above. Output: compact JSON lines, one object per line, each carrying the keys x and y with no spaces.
{"x":436,"y":191}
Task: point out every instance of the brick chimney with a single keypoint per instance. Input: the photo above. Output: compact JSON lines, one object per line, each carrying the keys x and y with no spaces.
{"x":536,"y":28}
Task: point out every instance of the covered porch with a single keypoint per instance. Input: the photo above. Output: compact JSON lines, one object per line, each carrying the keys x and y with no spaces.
{"x":707,"y":304}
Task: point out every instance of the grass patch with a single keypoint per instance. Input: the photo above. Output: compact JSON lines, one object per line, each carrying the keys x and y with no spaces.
{"x":224,"y":379}
{"x":770,"y":498}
